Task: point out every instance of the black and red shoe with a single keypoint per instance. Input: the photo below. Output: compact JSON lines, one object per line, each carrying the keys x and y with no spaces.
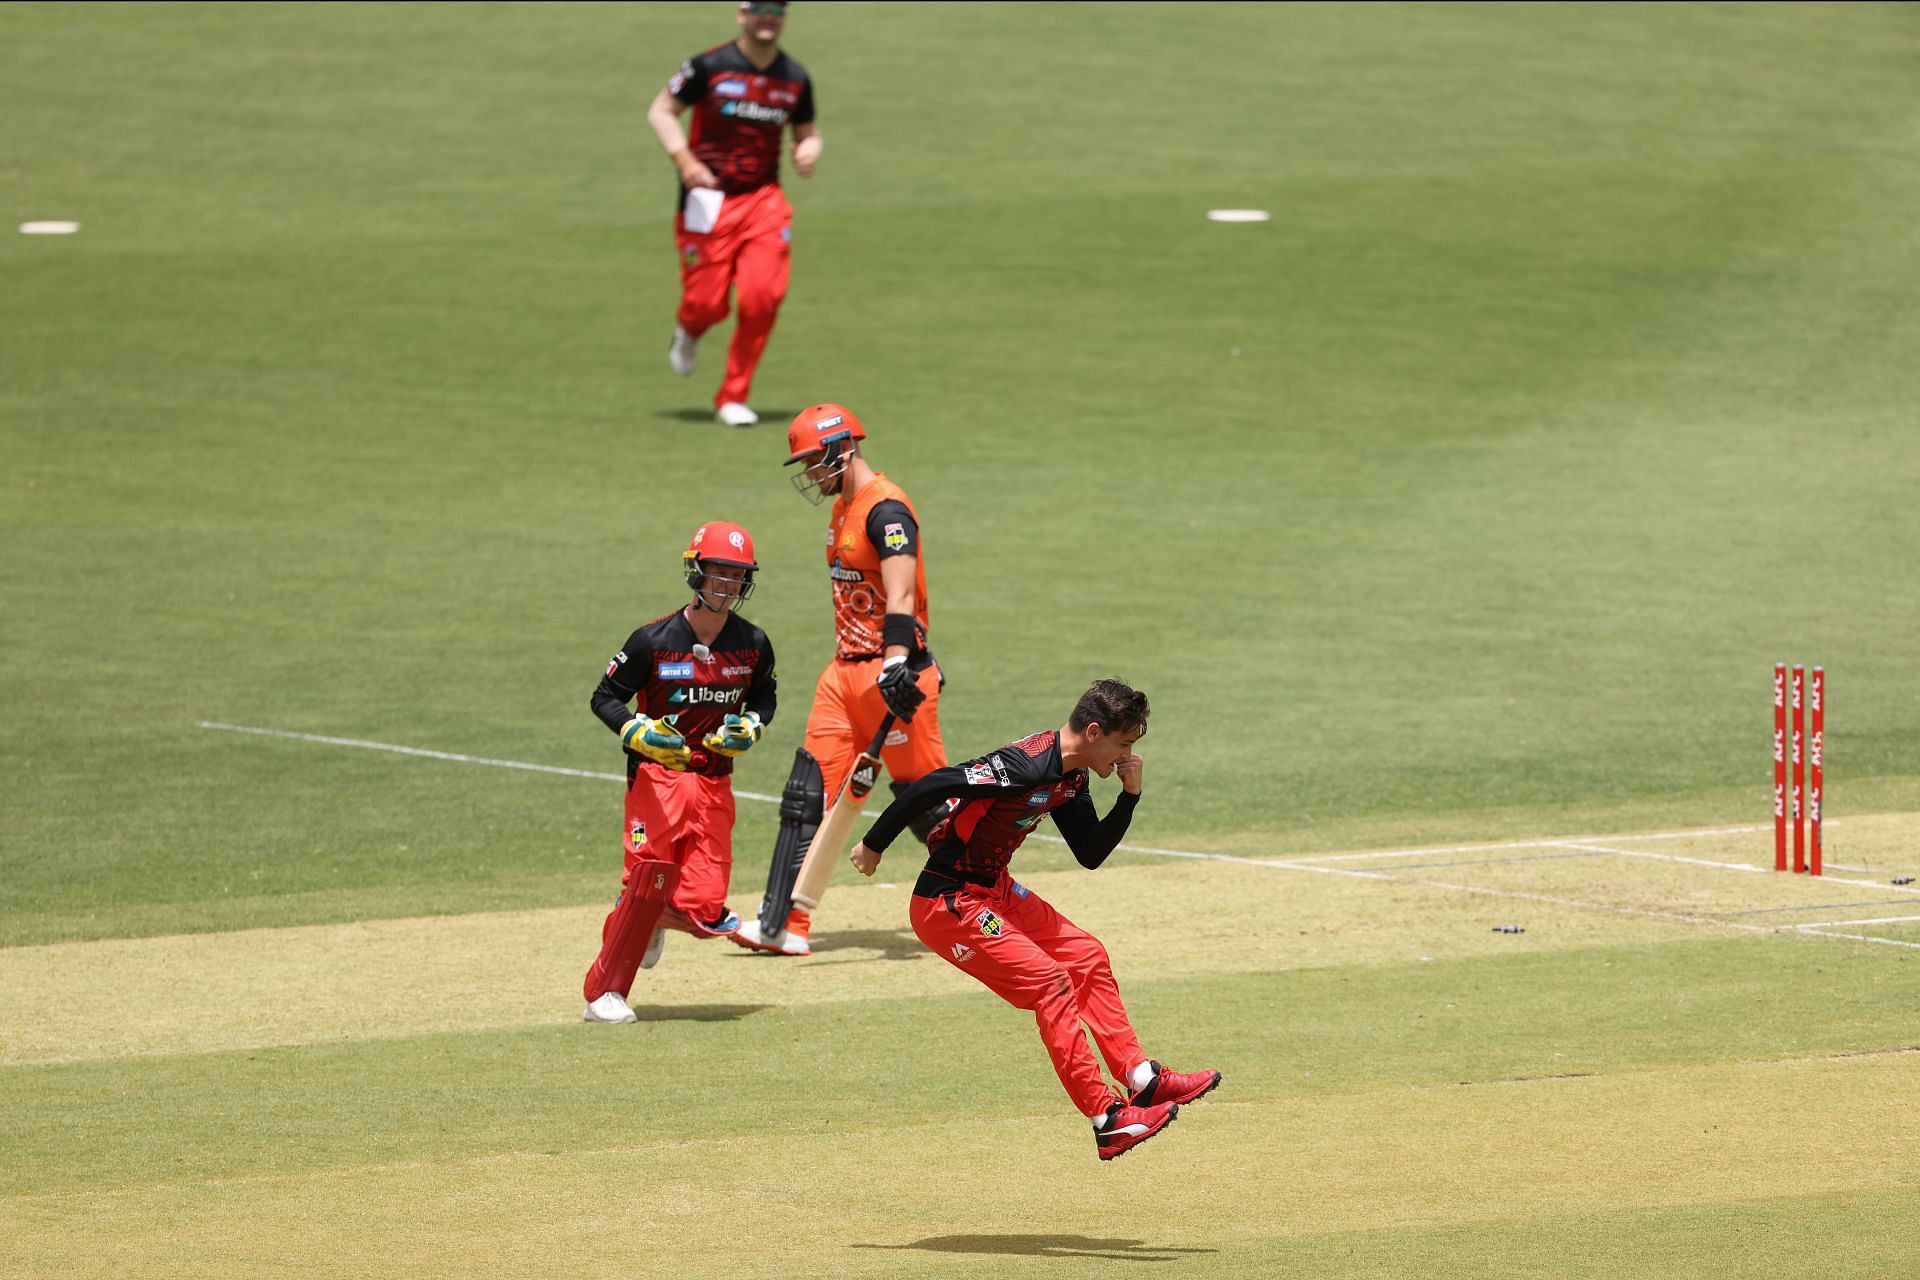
{"x":1174,"y":1086}
{"x":1127,"y":1126}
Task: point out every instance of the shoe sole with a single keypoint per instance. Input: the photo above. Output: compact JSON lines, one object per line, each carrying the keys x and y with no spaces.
{"x":1172,"y":1115}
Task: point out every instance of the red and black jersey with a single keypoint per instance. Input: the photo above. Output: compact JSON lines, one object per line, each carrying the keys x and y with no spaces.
{"x":992,"y":804}
{"x":660,"y":668}
{"x":739,"y":112}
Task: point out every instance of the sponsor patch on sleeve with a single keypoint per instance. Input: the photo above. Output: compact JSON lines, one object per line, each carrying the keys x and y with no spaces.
{"x":980,"y":774}
{"x":619,"y":661}
{"x":895,"y":536}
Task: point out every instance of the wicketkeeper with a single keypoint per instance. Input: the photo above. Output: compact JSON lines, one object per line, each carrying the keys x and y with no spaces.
{"x":971,"y":913}
{"x":704,"y":681}
{"x":882,"y":665}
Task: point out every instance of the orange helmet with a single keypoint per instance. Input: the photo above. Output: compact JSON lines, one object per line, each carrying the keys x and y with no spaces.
{"x":822,"y":437}
{"x":822,"y":425}
{"x":719,"y":542}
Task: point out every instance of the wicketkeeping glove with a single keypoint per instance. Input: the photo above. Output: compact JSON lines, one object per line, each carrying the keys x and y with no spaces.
{"x":734,"y":736}
{"x":900,"y":686}
{"x":657,"y":740}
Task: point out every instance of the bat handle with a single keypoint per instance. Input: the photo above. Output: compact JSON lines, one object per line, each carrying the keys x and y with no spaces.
{"x":880,"y":737}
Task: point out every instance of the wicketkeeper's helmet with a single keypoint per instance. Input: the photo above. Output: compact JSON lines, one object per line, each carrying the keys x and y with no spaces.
{"x":720,"y":542}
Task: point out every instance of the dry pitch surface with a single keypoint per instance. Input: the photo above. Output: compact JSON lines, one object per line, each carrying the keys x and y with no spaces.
{"x":1261,"y":1176}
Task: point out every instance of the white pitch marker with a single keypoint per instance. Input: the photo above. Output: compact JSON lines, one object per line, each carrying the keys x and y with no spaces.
{"x":1238,"y":215}
{"x":48,"y":228}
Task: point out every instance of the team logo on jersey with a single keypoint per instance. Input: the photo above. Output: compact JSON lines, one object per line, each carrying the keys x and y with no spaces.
{"x":638,"y":835}
{"x":962,"y":952}
{"x":980,"y":774}
{"x":990,"y":925}
{"x":673,"y":670}
{"x":895,"y":537}
{"x":692,"y":256}
{"x":737,"y":540}
{"x":619,"y":660}
{"x":730,"y":89}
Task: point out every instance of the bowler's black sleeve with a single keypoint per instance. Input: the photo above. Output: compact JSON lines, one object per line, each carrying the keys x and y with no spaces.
{"x":614,"y":692}
{"x":1090,"y":836}
{"x":936,"y":787}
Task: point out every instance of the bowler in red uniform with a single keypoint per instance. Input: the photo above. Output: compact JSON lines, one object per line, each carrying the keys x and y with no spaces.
{"x":734,"y":227}
{"x":971,"y":913}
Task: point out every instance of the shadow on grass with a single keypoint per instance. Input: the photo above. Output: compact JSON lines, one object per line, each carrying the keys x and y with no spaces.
{"x":891,"y":944}
{"x":696,"y":1012}
{"x":775,"y":418}
{"x":1049,"y":1247}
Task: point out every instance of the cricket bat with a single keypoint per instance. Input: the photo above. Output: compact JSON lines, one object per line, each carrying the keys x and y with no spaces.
{"x":830,"y":841}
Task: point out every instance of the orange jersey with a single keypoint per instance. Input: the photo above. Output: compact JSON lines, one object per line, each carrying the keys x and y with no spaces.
{"x":853,"y":566}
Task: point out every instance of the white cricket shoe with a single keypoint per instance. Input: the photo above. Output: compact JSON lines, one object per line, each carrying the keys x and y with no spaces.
{"x":735,"y":414}
{"x":791,"y":941}
{"x":610,"y":1008}
{"x":655,"y":945}
{"x":684,"y":353}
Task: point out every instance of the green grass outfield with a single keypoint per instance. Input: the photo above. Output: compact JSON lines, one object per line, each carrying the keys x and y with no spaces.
{"x":1468,"y":501}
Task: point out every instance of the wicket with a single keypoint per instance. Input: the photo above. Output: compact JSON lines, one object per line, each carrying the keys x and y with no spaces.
{"x":1806,"y":795}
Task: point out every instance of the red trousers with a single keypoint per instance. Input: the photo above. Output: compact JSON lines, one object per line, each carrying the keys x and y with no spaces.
{"x":749,"y":250}
{"x":685,"y":819}
{"x":1034,"y":958}
{"x":846,"y":713}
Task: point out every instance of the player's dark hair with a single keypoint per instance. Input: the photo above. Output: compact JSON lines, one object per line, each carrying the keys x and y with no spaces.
{"x":1113,"y":706}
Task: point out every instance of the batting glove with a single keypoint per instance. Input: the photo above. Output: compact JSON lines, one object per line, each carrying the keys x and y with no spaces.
{"x":900,"y":686}
{"x":658,"y":741}
{"x":734,"y":736}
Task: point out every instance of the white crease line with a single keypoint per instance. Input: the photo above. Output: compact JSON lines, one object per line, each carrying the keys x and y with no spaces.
{"x":440,"y":755}
{"x":1854,"y":924}
{"x":1865,"y":937}
{"x":1658,"y":857}
{"x":1542,"y":843}
{"x":1280,"y":864}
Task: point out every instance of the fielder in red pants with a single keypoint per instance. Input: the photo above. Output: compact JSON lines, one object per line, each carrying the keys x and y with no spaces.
{"x":734,"y":228}
{"x":704,"y":680}
{"x":976,"y":917}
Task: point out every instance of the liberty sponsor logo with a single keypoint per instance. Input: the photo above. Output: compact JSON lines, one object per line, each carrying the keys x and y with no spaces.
{"x":757,"y":112}
{"x":700,"y":693}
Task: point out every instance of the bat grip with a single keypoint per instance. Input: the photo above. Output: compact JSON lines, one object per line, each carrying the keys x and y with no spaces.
{"x":880,"y":737}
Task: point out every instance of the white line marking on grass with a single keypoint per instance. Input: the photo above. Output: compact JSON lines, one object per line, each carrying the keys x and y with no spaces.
{"x":1854,"y":924}
{"x":1865,"y":937}
{"x":1657,"y":857}
{"x":1281,"y":864}
{"x":454,"y":756}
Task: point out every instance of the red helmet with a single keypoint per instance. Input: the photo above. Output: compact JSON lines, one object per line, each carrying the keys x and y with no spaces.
{"x":720,"y":542}
{"x":822,"y":425}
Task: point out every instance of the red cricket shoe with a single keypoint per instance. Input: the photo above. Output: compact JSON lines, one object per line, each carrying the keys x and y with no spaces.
{"x":1128,"y":1126}
{"x":1174,"y":1086}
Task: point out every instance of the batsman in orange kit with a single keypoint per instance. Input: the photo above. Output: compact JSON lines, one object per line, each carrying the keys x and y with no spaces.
{"x":882,"y":665}
{"x":974,"y":915}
